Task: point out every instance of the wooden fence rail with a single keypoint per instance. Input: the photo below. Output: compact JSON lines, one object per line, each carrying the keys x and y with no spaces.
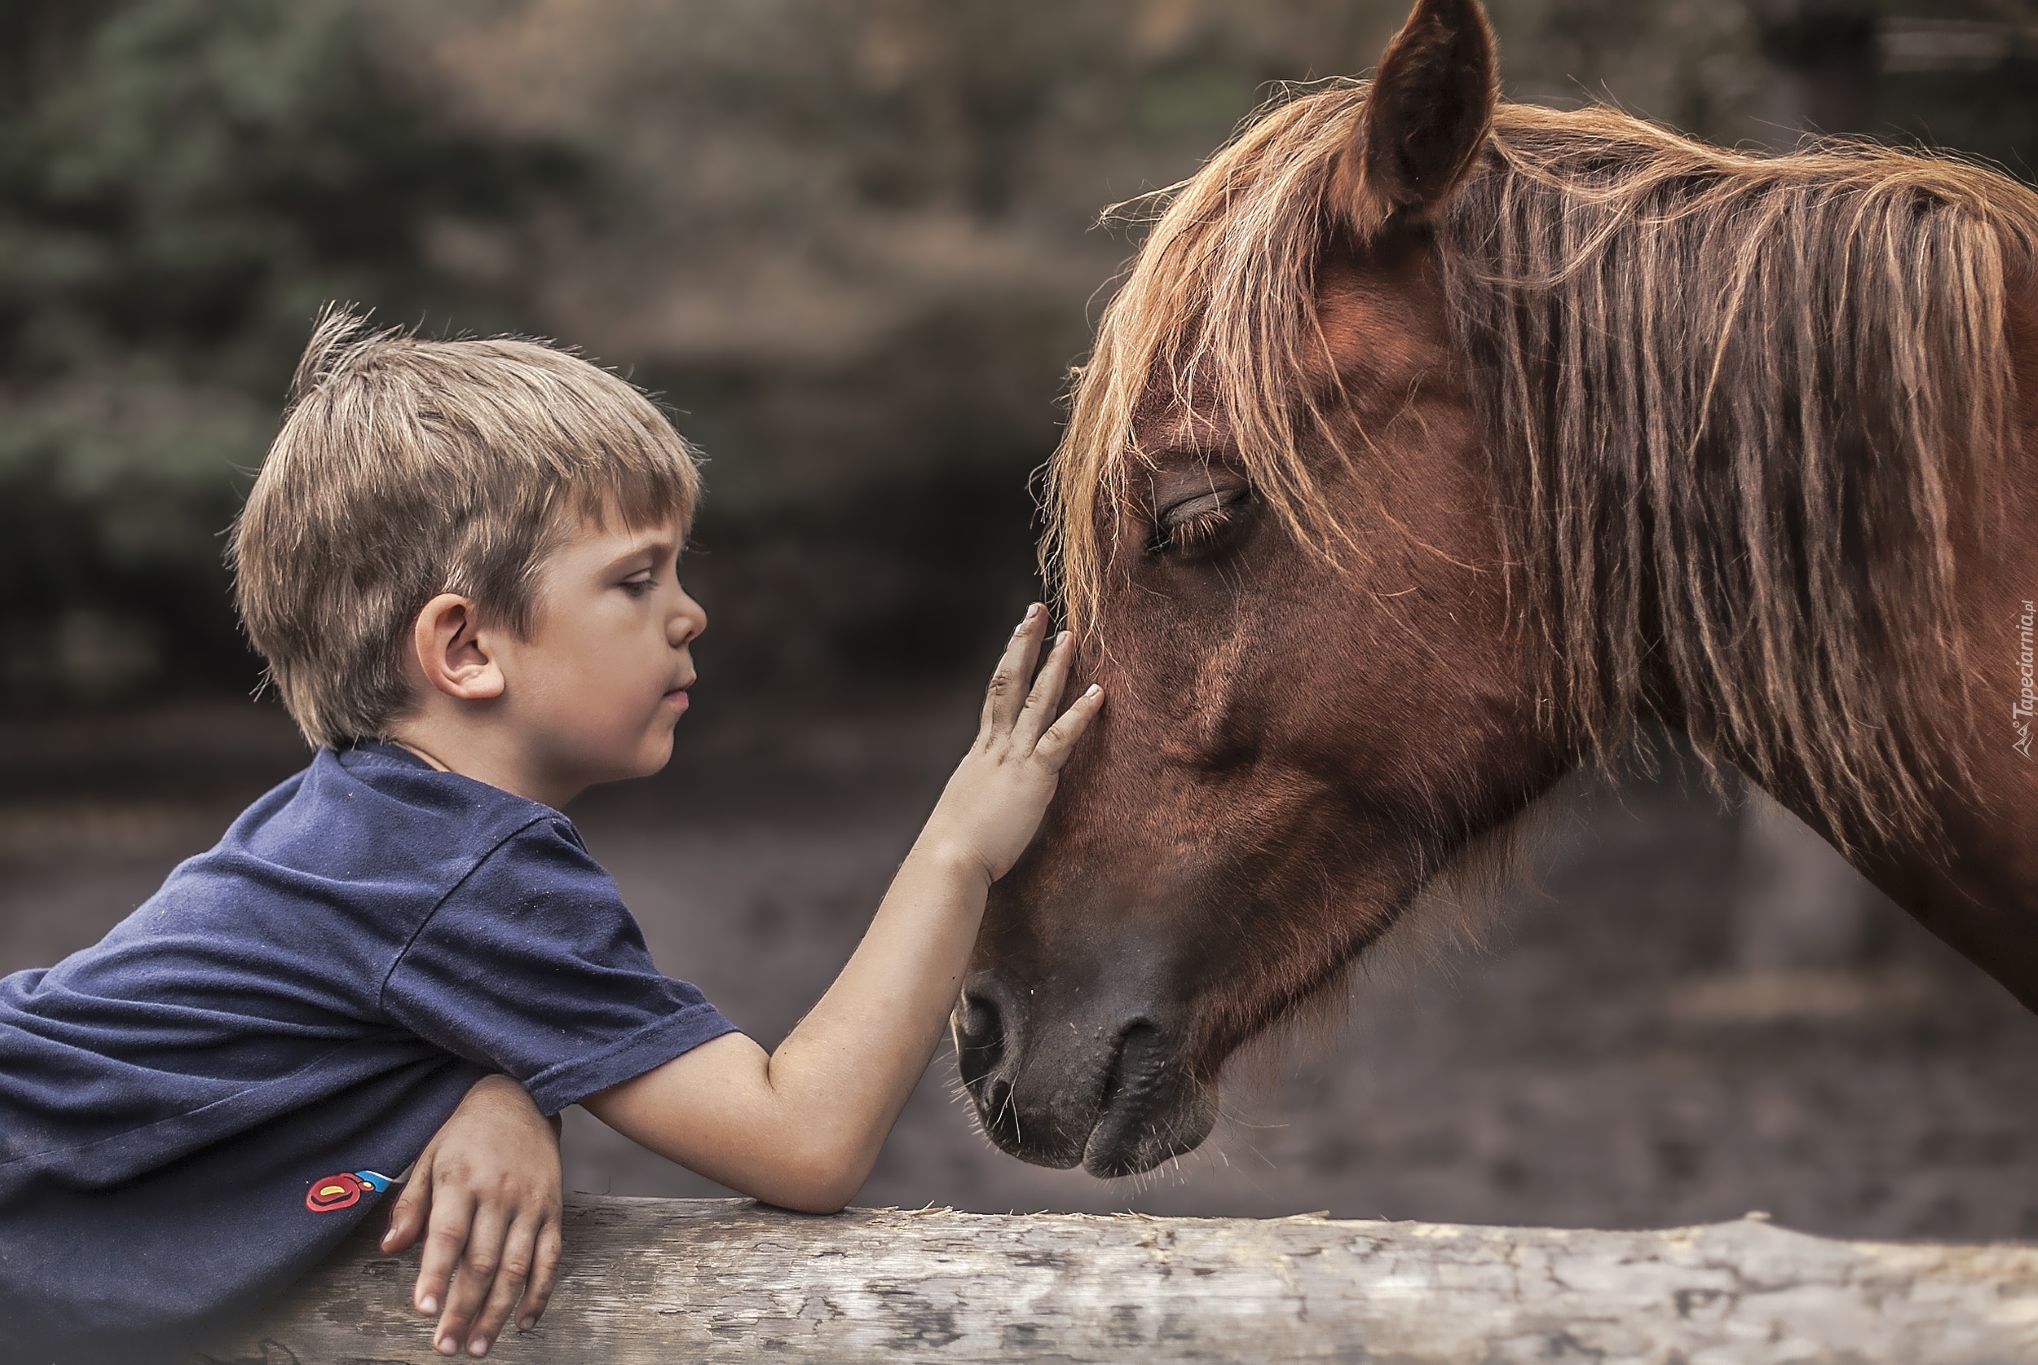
{"x":668,"y":1281}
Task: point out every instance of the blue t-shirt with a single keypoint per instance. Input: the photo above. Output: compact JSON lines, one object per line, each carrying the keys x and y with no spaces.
{"x":196,"y":1109}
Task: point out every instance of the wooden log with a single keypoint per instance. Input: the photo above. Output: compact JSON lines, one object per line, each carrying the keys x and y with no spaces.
{"x":650,"y":1280}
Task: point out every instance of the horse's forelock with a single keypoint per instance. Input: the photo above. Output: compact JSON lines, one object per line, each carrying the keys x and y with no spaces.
{"x":1216,"y":315}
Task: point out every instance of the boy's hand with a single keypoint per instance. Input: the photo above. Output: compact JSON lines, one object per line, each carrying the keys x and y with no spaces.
{"x":802,"y":1126}
{"x":993,"y":804}
{"x":488,"y":1186}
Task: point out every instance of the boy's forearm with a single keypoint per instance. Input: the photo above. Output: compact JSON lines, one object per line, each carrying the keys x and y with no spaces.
{"x":849,"y":1066}
{"x":803,"y":1126}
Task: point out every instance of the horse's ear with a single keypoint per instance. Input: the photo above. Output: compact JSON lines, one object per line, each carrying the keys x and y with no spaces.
{"x":1427,"y":116}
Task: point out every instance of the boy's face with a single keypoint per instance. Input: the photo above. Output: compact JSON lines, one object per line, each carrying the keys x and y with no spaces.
{"x":599,"y":680}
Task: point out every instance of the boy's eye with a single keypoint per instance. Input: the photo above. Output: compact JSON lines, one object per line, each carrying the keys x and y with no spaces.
{"x":637,"y":587}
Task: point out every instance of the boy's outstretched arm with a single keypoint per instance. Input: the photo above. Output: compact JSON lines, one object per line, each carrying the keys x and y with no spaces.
{"x":801,"y":1127}
{"x":485,"y":1195}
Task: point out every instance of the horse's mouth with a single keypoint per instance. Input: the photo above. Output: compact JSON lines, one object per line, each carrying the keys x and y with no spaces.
{"x":1143,"y":1110}
{"x":1148,"y":1110}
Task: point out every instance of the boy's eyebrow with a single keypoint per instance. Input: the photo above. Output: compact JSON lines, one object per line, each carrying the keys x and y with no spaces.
{"x":657,"y":547}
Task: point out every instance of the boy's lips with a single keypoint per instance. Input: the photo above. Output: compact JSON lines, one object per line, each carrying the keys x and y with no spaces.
{"x":677,"y":696}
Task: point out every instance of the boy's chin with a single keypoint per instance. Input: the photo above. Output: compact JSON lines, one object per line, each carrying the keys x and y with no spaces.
{"x":649,"y":760}
{"x":656,"y":754}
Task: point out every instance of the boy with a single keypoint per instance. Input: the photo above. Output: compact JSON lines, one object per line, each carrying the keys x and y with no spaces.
{"x":459,"y":560}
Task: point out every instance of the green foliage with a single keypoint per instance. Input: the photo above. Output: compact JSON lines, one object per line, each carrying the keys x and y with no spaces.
{"x":851,"y":243}
{"x":182,"y":182}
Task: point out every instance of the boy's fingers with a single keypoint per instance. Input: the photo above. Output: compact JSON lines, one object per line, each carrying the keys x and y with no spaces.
{"x":518,"y":1253}
{"x":544,"y":1274}
{"x":407,"y":1215}
{"x":1047,"y":689}
{"x":1055,"y":745}
{"x":1004,"y":696}
{"x":476,"y":1278}
{"x":443,"y":1245}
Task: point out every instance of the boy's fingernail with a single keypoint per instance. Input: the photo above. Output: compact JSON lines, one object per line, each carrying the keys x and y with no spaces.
{"x":1063,"y":638}
{"x":1033,"y":611}
{"x":1092,"y":690}
{"x":428,"y":1304}
{"x":446,"y":1346}
{"x":478,"y":1346}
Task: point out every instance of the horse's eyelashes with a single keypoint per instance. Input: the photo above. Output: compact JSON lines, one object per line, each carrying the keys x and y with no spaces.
{"x":1196,"y":523}
{"x":1195,"y":533}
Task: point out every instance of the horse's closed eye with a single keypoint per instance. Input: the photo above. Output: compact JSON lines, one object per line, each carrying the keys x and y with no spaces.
{"x":1198,"y":523}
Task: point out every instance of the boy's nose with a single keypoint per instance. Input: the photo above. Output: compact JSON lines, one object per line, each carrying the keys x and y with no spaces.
{"x":688,"y":622}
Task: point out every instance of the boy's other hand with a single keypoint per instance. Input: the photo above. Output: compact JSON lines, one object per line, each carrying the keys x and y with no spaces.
{"x":486,"y":1197}
{"x":993,"y":804}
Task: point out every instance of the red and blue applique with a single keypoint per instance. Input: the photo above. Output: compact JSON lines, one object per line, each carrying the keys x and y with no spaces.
{"x":334,"y":1192}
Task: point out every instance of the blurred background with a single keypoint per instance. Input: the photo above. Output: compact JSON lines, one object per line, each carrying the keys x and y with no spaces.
{"x":853,"y":247}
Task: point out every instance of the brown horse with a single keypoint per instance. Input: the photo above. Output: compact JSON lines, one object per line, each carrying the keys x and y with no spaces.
{"x":1432,"y":443}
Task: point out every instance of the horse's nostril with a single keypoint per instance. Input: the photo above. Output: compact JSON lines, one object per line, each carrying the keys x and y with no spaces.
{"x":979,"y":1038}
{"x":982,"y":1045}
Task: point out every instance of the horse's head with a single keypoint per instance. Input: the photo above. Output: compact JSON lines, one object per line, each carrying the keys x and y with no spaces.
{"x":1278,"y":542}
{"x":1428,"y":444}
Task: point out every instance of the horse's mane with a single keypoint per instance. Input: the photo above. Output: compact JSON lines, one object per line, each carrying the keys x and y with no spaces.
{"x":1735,"y":407}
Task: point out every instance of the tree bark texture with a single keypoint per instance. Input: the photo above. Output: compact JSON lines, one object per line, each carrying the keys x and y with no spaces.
{"x":651,"y":1280}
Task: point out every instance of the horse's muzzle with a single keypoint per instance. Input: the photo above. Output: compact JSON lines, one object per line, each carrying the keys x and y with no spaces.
{"x":1102,"y":1086}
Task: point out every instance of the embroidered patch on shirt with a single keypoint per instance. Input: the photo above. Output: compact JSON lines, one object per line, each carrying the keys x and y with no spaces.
{"x":343,"y":1191}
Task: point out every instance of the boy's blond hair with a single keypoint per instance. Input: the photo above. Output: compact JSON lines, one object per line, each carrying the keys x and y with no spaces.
{"x":407,"y":468}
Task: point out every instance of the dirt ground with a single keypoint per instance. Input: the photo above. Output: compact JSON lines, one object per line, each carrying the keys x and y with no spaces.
{"x":1594,"y":1064}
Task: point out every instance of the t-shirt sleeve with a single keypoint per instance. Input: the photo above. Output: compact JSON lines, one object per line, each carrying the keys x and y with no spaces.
{"x":532,"y":966}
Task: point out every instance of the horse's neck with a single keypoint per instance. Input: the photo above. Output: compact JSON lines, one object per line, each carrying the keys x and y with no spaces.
{"x":1975,"y":882}
{"x":1973,"y":878}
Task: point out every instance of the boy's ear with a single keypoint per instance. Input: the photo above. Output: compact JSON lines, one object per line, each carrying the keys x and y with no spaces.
{"x":1426,"y":119}
{"x":446,"y":641}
